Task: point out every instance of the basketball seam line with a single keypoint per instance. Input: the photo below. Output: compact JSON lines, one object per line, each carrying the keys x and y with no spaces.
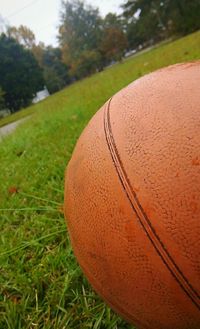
{"x":142,"y":216}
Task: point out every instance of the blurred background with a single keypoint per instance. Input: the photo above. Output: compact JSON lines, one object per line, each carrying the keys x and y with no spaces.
{"x":47,"y":45}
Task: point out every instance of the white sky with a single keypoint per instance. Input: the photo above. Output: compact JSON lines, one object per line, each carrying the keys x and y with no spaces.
{"x":42,"y":16}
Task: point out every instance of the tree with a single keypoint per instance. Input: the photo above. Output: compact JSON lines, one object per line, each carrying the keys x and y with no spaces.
{"x":49,"y":59}
{"x":87,"y":64}
{"x":2,"y":100}
{"x":146,"y":21}
{"x":38,"y":52}
{"x":79,"y":32}
{"x":56,"y":73}
{"x":113,"y":44}
{"x":20,"y":75}
{"x":152,"y":20}
{"x":23,"y":35}
{"x":183,"y":15}
{"x":112,"y":21}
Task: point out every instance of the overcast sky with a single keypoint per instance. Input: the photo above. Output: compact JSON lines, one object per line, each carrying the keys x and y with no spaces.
{"x":42,"y":16}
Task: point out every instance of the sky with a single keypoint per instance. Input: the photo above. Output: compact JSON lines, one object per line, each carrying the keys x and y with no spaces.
{"x":42,"y":16}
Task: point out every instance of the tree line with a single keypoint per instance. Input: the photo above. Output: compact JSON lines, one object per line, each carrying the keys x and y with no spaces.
{"x":87,"y":43}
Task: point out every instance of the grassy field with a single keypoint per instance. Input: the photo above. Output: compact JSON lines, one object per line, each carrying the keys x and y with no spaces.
{"x":41,"y":285}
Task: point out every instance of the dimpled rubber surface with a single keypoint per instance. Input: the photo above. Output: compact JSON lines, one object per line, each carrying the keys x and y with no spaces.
{"x":132,"y":200}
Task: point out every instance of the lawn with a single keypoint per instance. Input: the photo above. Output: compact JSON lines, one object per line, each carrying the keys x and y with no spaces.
{"x":41,"y":285}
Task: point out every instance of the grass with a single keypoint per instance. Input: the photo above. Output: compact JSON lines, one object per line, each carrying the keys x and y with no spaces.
{"x":41,"y":285}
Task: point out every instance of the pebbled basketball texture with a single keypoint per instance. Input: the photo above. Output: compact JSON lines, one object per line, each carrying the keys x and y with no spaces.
{"x":132,"y":200}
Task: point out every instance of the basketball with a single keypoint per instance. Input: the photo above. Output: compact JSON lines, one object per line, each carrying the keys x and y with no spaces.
{"x":132,"y":200}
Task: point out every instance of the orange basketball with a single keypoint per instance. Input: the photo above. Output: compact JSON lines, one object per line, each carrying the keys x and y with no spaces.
{"x":132,"y":200}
